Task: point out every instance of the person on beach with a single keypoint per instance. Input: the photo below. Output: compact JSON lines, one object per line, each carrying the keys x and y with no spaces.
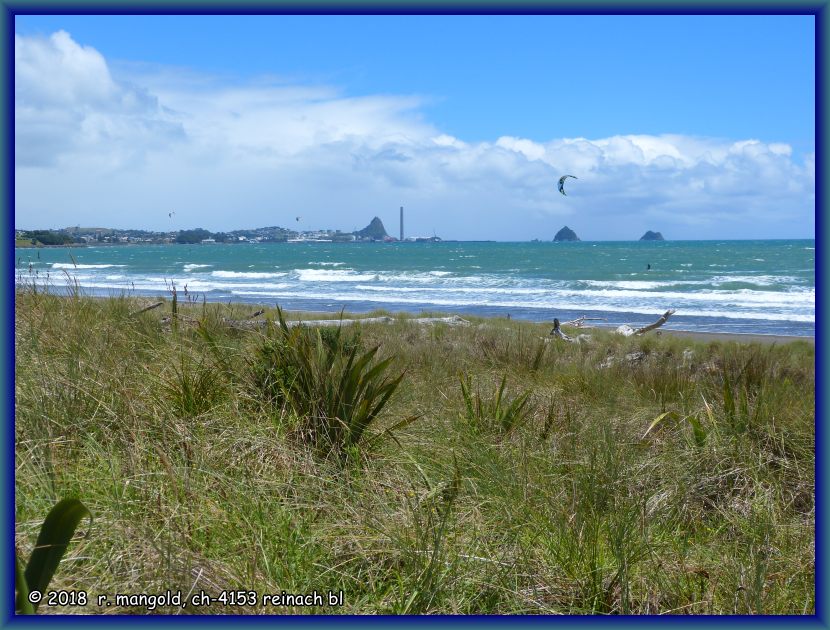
{"x":557,"y":331}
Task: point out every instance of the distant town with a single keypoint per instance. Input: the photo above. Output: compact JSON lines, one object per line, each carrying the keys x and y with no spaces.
{"x":80,"y":236}
{"x":373,"y":233}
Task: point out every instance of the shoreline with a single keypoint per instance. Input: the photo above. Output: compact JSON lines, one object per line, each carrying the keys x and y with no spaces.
{"x":699,"y":336}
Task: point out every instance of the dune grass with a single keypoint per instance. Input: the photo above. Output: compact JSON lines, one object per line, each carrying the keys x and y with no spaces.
{"x":502,"y":474}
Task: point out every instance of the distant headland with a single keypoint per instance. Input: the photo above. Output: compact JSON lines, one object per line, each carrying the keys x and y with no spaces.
{"x":374,"y":232}
{"x":79,"y":236}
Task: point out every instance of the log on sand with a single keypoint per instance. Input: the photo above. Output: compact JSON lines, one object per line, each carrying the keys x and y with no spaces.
{"x":453,"y":320}
{"x":627,"y":330}
{"x":579,"y":321}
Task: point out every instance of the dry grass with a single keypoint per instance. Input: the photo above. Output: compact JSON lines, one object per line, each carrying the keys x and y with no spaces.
{"x":197,"y":480}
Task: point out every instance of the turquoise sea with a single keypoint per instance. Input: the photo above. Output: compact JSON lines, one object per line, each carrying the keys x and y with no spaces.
{"x":763,"y":287}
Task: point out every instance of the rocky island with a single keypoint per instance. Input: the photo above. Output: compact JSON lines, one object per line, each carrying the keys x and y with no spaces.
{"x":652,"y":236}
{"x":565,"y":234}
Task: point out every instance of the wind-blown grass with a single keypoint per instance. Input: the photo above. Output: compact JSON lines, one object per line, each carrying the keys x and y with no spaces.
{"x":334,"y":388}
{"x":682,"y":483}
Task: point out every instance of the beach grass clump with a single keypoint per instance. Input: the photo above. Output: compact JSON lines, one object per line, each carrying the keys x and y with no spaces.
{"x":193,"y":388}
{"x":652,"y":475}
{"x":335,"y":389}
{"x":495,"y":412}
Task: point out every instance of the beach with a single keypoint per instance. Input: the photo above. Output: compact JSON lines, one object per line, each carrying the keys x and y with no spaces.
{"x":692,"y":335}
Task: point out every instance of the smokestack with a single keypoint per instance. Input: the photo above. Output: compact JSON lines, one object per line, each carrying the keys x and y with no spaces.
{"x":402,"y":223}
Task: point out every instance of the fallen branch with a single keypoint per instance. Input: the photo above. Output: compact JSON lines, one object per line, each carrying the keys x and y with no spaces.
{"x":145,"y":309}
{"x":340,"y":322}
{"x":453,"y":320}
{"x":179,"y":317}
{"x":580,"y":320}
{"x":627,"y":330}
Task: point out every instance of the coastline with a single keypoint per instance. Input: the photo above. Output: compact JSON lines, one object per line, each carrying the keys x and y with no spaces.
{"x":693,"y":335}
{"x":709,"y":293}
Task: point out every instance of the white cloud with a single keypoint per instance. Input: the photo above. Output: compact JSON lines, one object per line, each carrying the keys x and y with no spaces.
{"x":531,"y":150}
{"x":59,"y":71}
{"x":101,"y":147}
{"x":66,"y":102}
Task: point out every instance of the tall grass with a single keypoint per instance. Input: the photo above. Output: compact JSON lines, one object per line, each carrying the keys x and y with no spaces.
{"x":495,"y":412}
{"x":335,"y":389}
{"x":666,"y":486}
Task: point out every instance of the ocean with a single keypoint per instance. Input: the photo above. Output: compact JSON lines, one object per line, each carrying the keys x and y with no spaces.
{"x":760,"y":287}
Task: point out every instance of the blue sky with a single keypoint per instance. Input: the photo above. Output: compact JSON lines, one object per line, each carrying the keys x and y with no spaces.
{"x":697,"y":126}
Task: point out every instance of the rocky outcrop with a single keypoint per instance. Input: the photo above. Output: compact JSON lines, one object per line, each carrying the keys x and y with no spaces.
{"x":565,"y":234}
{"x":652,"y":236}
{"x":374,"y":231}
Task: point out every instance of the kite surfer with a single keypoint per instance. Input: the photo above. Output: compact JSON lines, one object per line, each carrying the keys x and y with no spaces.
{"x":562,"y":183}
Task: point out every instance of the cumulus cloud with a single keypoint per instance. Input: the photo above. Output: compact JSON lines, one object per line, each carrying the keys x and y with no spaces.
{"x":123,"y":148}
{"x":66,"y":101}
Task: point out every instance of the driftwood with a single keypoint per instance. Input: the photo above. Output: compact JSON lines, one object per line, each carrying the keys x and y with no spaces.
{"x":242,"y":324}
{"x":145,"y":309}
{"x":179,"y":317}
{"x":557,"y":331}
{"x":627,"y":330}
{"x":581,"y":320}
{"x":632,"y":358}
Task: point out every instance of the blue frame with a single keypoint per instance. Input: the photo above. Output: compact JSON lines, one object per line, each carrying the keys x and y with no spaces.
{"x":224,"y":7}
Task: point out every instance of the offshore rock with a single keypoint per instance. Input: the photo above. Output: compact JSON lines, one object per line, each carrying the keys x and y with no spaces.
{"x":652,"y":236}
{"x":565,"y":234}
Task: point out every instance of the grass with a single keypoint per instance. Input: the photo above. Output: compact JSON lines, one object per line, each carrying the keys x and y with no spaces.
{"x":533,"y":481}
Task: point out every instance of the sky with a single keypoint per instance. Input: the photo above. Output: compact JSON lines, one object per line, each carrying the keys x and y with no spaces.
{"x":700,"y":127}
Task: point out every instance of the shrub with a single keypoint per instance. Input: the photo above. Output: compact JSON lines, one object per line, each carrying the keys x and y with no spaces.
{"x":335,"y":389}
{"x":495,"y":412}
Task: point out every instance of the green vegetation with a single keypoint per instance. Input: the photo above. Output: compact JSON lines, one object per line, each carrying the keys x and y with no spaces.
{"x":47,"y":237}
{"x":419,"y":469}
{"x":193,"y":236}
{"x":334,"y":393}
{"x":55,"y":533}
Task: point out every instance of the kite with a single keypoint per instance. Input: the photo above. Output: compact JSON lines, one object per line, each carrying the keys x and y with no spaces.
{"x":562,"y":183}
